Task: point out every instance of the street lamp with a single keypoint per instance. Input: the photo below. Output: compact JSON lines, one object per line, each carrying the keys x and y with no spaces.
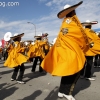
{"x":34,"y":26}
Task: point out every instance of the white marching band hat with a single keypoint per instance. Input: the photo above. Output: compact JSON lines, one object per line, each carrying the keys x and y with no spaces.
{"x":16,"y":35}
{"x":67,"y":9}
{"x":88,"y":22}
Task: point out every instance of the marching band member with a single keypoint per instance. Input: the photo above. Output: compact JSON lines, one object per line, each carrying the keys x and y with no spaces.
{"x":94,"y":50}
{"x":16,"y":59}
{"x":46,"y":46}
{"x":66,"y":58}
{"x":36,"y":51}
{"x":97,"y":61}
{"x":5,"y":53}
{"x":28,"y":45}
{"x":97,"y":57}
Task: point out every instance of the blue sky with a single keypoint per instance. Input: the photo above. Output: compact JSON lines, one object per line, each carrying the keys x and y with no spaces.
{"x":43,"y":14}
{"x":25,"y":10}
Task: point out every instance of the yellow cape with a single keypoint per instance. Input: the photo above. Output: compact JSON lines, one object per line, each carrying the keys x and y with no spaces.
{"x":15,"y":57}
{"x":36,"y":50}
{"x":66,"y":57}
{"x":96,"y":40}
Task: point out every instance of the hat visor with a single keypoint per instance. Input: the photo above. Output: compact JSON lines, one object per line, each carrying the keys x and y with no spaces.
{"x":19,"y":35}
{"x":89,"y":23}
{"x":64,"y":12}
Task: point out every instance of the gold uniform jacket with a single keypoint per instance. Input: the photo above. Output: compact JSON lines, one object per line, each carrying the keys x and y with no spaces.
{"x":66,"y":56}
{"x":16,"y":57}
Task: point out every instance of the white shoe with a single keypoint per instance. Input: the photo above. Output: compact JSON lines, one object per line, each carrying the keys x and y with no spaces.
{"x":60,"y":94}
{"x":20,"y":82}
{"x":12,"y":79}
{"x":69,"y":97}
{"x":91,"y":79}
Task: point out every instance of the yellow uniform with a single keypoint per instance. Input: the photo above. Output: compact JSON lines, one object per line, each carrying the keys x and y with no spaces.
{"x":36,"y":50}
{"x":46,"y":48}
{"x":15,"y":57}
{"x":9,"y":49}
{"x":66,"y":57}
{"x":93,"y":38}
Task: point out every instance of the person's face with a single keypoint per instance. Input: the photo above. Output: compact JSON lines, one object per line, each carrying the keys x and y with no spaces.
{"x":38,"y":38}
{"x":72,"y":13}
{"x":19,"y":38}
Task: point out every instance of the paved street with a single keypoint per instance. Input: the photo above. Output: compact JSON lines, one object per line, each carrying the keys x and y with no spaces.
{"x":44,"y":86}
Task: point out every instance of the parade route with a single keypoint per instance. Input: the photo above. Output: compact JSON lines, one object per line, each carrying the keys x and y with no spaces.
{"x":44,"y":86}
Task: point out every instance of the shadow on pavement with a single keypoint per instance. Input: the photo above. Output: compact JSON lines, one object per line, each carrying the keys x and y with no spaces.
{"x":97,"y":69}
{"x":9,"y":71}
{"x":26,"y":67}
{"x":81,"y":85}
{"x":6,"y":91}
{"x":2,"y":62}
{"x":3,"y":67}
{"x":33,"y":96}
{"x":33,"y":75}
{"x":6,"y":72}
{"x":53,"y":94}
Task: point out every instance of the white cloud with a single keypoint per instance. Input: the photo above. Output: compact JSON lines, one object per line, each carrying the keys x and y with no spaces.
{"x":87,"y":10}
{"x":17,"y":27}
{"x":7,"y":24}
{"x":49,"y":4}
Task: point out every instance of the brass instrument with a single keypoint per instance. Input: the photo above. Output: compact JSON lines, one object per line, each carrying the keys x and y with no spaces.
{"x":7,"y":36}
